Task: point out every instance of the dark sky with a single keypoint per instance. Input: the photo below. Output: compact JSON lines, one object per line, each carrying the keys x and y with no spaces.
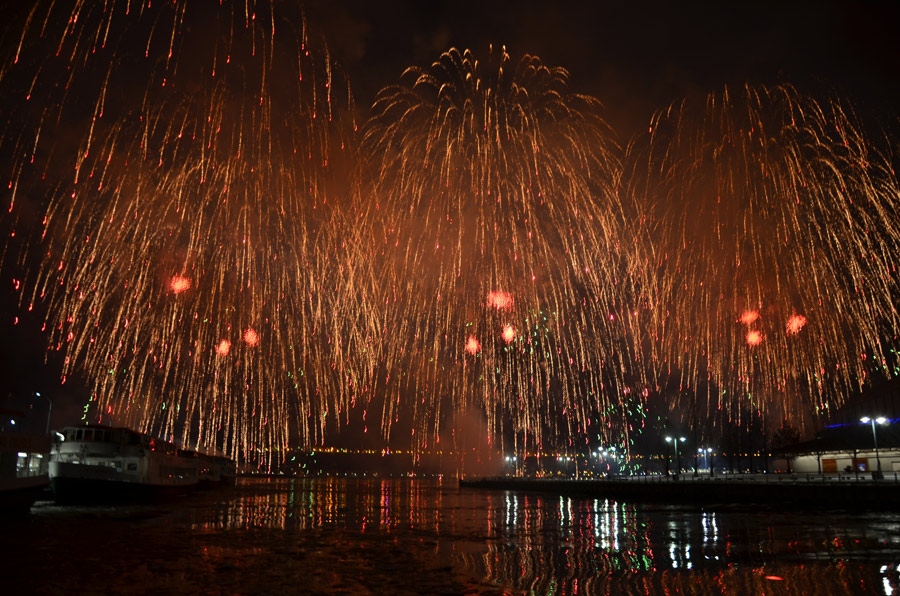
{"x":634,"y":56}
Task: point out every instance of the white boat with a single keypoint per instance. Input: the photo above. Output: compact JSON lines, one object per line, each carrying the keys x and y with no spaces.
{"x":23,"y":465}
{"x":91,"y":464}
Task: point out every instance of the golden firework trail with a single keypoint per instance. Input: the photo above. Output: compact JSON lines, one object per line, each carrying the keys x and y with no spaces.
{"x":507,"y":283}
{"x":776,"y":238}
{"x":192,"y":162}
{"x":228,"y":263}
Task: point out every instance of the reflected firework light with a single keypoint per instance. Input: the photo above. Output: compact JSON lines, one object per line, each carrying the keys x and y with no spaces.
{"x":210,"y":140}
{"x":491,"y":178}
{"x":763,"y":196}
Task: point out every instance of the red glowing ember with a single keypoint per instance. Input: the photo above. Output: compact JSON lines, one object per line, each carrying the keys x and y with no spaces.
{"x":180,"y":284}
{"x":754,"y":338}
{"x":472,"y":345}
{"x":509,"y":334}
{"x":749,"y":317}
{"x":251,"y":338}
{"x":223,"y":348}
{"x":795,"y":324}
{"x":500,"y":300}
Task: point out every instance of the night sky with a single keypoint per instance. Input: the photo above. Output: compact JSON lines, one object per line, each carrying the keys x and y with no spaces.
{"x":635,"y":57}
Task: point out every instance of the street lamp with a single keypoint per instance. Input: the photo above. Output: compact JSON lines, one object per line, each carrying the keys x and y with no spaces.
{"x":877,"y":475}
{"x":677,"y":460}
{"x":705,"y":454}
{"x":49,"y":409}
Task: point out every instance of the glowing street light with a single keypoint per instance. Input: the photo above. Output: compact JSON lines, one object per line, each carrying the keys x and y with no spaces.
{"x":49,"y":409}
{"x":877,"y":475}
{"x":677,"y":460}
{"x":704,"y":453}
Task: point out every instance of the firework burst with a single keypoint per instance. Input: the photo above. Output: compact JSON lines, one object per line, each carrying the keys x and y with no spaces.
{"x":776,"y":238}
{"x":500,"y":236}
{"x":190,"y":266}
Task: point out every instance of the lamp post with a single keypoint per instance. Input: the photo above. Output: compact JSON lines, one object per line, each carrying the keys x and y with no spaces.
{"x":876,"y":475}
{"x":704,"y":453}
{"x":49,"y":409}
{"x":675,"y":440}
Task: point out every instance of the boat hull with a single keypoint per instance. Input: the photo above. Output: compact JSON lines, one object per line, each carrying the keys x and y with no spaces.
{"x":89,"y":491}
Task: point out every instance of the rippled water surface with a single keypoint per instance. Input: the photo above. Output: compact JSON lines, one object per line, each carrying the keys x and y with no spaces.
{"x":353,"y":536}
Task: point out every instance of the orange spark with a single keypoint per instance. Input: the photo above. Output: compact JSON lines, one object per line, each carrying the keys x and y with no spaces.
{"x":795,"y":324}
{"x":251,"y":338}
{"x":500,"y":300}
{"x":179,"y":284}
{"x":472,"y":345}
{"x":754,"y":338}
{"x":749,"y":317}
{"x":223,"y":348}
{"x":509,"y":334}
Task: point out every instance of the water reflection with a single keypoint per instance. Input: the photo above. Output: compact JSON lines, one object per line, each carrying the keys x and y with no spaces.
{"x":303,"y":504}
{"x":540,"y":544}
{"x":367,"y":536}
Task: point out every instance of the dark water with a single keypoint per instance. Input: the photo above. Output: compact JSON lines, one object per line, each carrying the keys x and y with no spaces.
{"x":337,"y":536}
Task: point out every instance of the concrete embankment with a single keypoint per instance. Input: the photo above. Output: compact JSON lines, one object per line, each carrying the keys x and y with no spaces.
{"x":772,"y":490}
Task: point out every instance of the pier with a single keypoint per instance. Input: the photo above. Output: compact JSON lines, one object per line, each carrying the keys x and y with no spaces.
{"x":805,"y":490}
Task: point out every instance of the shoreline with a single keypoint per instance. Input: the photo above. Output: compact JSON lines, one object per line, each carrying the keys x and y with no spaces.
{"x":772,"y":490}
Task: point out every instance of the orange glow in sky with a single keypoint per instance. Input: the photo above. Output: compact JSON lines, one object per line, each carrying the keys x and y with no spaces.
{"x":754,"y":338}
{"x":179,"y":284}
{"x":223,"y":348}
{"x":749,"y":317}
{"x":500,"y":300}
{"x":795,"y":324}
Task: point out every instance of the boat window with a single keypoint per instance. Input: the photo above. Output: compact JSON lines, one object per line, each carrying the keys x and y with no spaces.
{"x":79,"y":434}
{"x":132,"y":467}
{"x":35,"y":464}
